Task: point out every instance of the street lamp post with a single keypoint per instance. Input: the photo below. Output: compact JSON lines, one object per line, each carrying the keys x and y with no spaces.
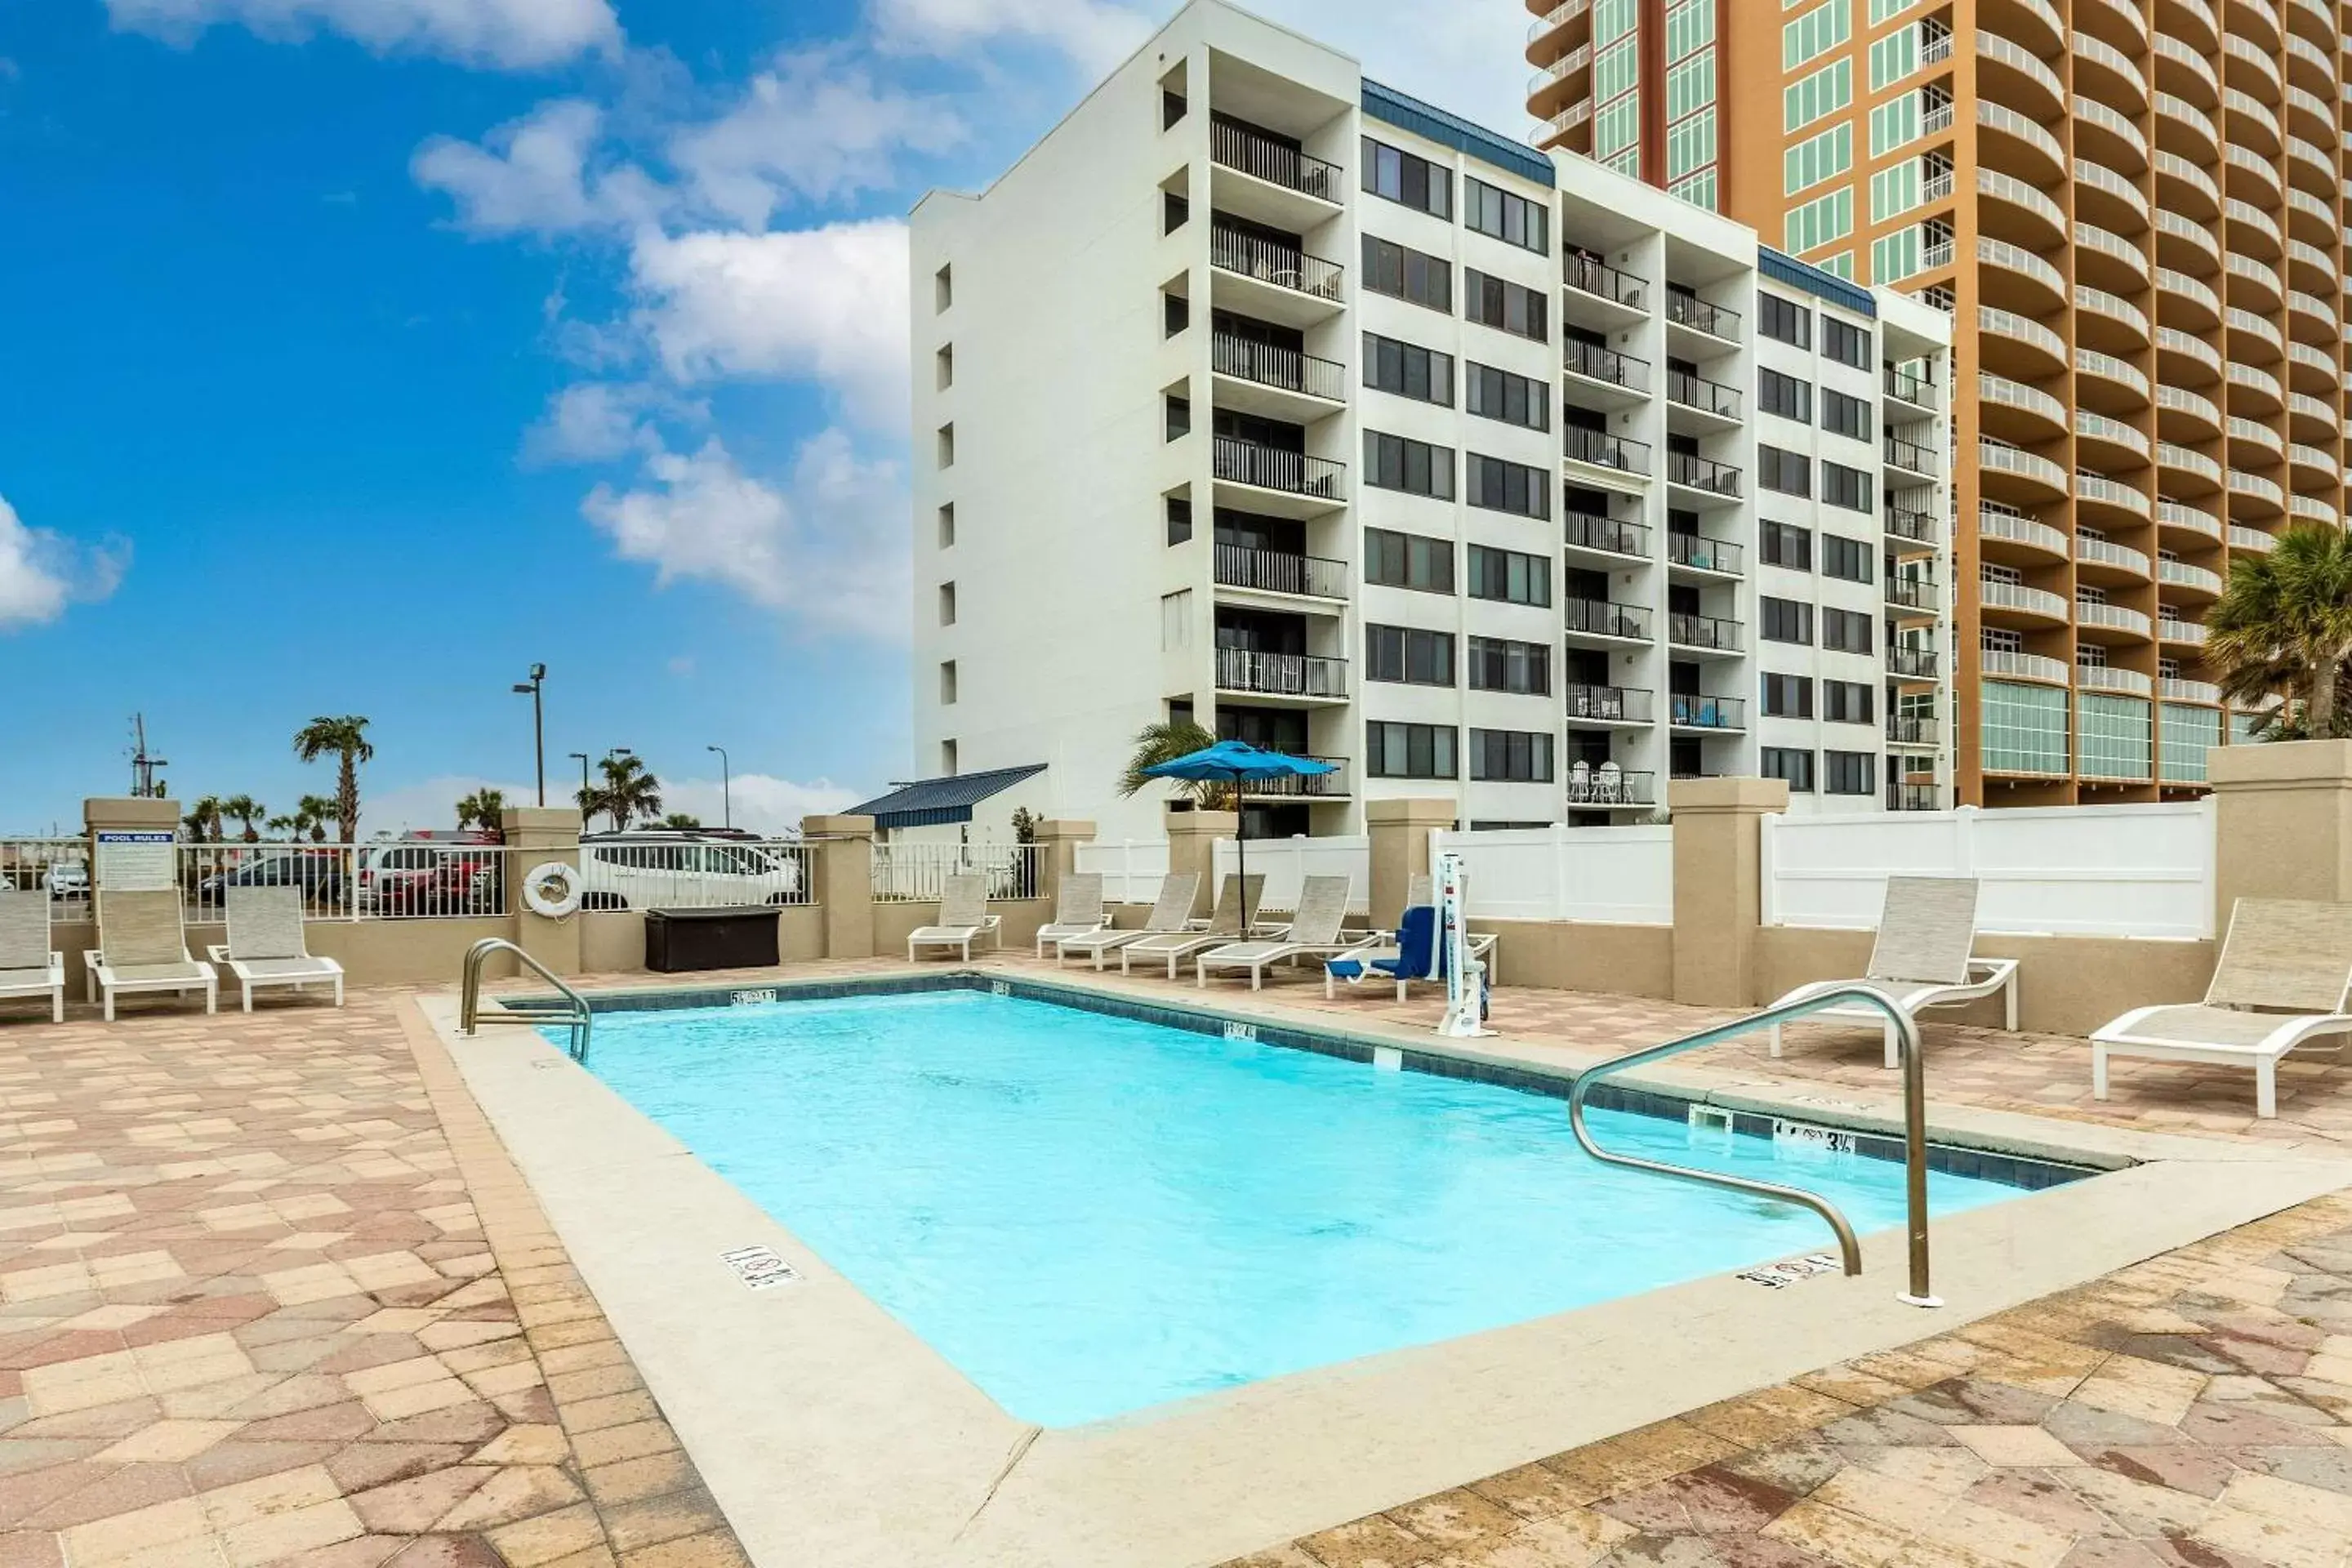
{"x":581,"y":758}
{"x":538,"y":727}
{"x":726,"y":788}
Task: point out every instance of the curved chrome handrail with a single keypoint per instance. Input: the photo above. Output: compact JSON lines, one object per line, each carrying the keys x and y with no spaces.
{"x":1915,"y":1124}
{"x":469,"y":996}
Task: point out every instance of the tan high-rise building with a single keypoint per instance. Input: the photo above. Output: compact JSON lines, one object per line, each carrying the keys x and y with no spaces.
{"x":2132,"y":209}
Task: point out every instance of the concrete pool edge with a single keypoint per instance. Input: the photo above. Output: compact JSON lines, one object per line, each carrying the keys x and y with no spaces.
{"x":829,"y":1432}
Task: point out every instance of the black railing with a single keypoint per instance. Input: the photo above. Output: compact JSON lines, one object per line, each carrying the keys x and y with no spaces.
{"x":1905,"y":523}
{"x":1914,"y":728}
{"x":1606,"y":364}
{"x":1705,"y":554}
{"x":1593,"y":276}
{"x":1608,"y":704}
{"x":1695,"y":712}
{"x":1910,"y":388}
{"x":1702,"y":473}
{"x":1281,"y":674}
{"x":1602,"y":619}
{"x":1703,"y":631}
{"x":1690,"y":310}
{"x":1269,"y":365}
{"x":1697,"y":392}
{"x":1247,"y":463}
{"x":1912,"y":663}
{"x":1609,"y":451}
{"x":1330,"y":784}
{"x":1278,"y":163}
{"x":1912,"y":593}
{"x":1605,"y":786}
{"x":1269,"y":262}
{"x":1910,"y":455}
{"x":1279,"y":572}
{"x":1903,"y":796}
{"x":1590,"y":533}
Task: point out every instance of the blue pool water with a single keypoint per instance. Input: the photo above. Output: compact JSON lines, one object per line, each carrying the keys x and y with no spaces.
{"x":1088,"y":1214}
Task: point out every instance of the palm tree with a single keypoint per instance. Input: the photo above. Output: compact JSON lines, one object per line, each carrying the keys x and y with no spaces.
{"x":2283,"y":626}
{"x":1164,"y":743}
{"x":681,"y":820}
{"x":284,"y":824}
{"x":345,"y":738}
{"x":484,"y":808}
{"x":245,"y":808}
{"x":204,"y":820}
{"x":628,"y":791}
{"x":313,"y":813}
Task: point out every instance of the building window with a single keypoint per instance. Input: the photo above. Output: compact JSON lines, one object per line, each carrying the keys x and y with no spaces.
{"x":1817,"y":158}
{"x":942,"y":288}
{"x":1784,"y":321}
{"x":1516,"y":488}
{"x":1498,"y":664}
{"x":1511,"y":756}
{"x":1175,"y":211}
{"x":1785,"y":395}
{"x":1409,"y":655}
{"x":1409,"y":275}
{"x":947,"y":447}
{"x":1794,"y":766}
{"x":2185,"y":736}
{"x":1787,"y":696}
{"x":1171,"y":108}
{"x":1844,"y":415}
{"x":947,"y":604}
{"x":947,"y":526}
{"x":1413,"y":182}
{"x":1848,"y":559}
{"x":1499,"y":215}
{"x":1845,"y":631}
{"x":1786,"y":620}
{"x":1509,"y":576}
{"x":1179,"y":416}
{"x":1409,"y":752}
{"x":1513,"y":399}
{"x":2114,"y":737}
{"x":1408,"y":561}
{"x":947,"y":682}
{"x":1846,"y":703}
{"x":1825,"y":91}
{"x":1176,"y":621}
{"x":1175,"y":313}
{"x":1815,"y":32}
{"x":2024,"y":728}
{"x":948,"y":758}
{"x":1179,"y":519}
{"x":1848,"y":773}
{"x":1416,"y":468}
{"x":1819,"y":221}
{"x":1791,"y":473}
{"x":1408,"y":370}
{"x":1848,"y":488}
{"x":943,"y":366}
{"x":1845,"y":342}
{"x":1498,"y":302}
{"x":1787,"y":546}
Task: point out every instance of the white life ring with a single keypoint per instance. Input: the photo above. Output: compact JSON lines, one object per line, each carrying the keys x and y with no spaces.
{"x":552,"y":889}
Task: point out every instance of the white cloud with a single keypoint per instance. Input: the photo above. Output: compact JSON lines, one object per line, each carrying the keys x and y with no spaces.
{"x":825,"y":304}
{"x":41,"y":573}
{"x":597,"y":421}
{"x":1096,"y":34}
{"x":514,"y":34}
{"x":535,"y":176}
{"x":826,"y":548}
{"x":433,"y":802}
{"x":762,"y":803}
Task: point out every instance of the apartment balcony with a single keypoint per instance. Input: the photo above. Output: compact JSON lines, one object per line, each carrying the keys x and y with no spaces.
{"x":2034,"y":24}
{"x":1279,"y":572}
{"x":2105,"y":441}
{"x":2176,"y":522}
{"x":2250,"y":229}
{"x":1618,"y":461}
{"x":2314,"y":467}
{"x":1706,"y":634}
{"x":2102,"y":561}
{"x":1596,"y":377}
{"x":2253,"y":390}
{"x":1599,"y":295}
{"x":1904,"y":386}
{"x":2098,"y":622}
{"x":1909,"y":794}
{"x":2185,"y":468}
{"x":1607,"y":789}
{"x":2174,"y":689}
{"x":1588,"y":622}
{"x":1912,"y":664}
{"x":1912,"y":526}
{"x":1691,"y":710}
{"x":1585,"y":534}
{"x":2017,"y":345}
{"x":2032,"y":281}
{"x":2252,"y":539}
{"x":1696,"y":404}
{"x":2019,"y":212}
{"x":1695,"y":554}
{"x":1551,"y":33}
{"x":2007,"y":664}
{"x":1913,"y":599}
{"x":2110,"y":678}
{"x":2186,"y":634}
{"x":2114,"y":139}
{"x":2015,"y":605}
{"x":2109,"y":72}
{"x":2013,"y":412}
{"x":1333,"y":786}
{"x":2186,"y":359}
{"x":1915,"y":730}
{"x":1277,"y":383}
{"x":1606,"y":706}
{"x":2109,"y":502}
{"x":2106,"y":257}
{"x":2008,"y":73}
{"x":1912,"y":462}
{"x":1697,"y":481}
{"x":1252,"y":276}
{"x":2103,"y":379}
{"x":1268,"y":479}
{"x":1255,"y":176}
{"x":2018,"y":144}
{"x":2011,"y":473}
{"x":1286,"y":679}
{"x":2311,"y":508}
{"x":2254,"y":495}
{"x":1700,"y":328}
{"x":2010,"y":536}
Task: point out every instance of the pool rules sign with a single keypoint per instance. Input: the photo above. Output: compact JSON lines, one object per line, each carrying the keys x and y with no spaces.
{"x":135,"y":862}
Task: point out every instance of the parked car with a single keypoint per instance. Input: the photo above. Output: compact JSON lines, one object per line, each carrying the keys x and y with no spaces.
{"x":318,"y":874}
{"x":431,"y":879}
{"x":651,"y":870}
{"x":69,"y":879}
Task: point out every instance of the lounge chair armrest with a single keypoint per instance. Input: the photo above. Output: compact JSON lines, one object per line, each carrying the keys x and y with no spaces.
{"x":217,"y":953}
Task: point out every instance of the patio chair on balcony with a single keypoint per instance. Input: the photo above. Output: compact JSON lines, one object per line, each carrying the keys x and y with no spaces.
{"x":142,"y":946}
{"x":266,"y":947}
{"x":2284,"y":969}
{"x":1924,"y":958}
{"x":1078,"y":909}
{"x":1416,"y":954}
{"x":1317,"y":930}
{"x":963,"y":918}
{"x":29,"y":966}
{"x":1609,"y":783}
{"x":1579,"y":780}
{"x":1233,"y":918}
{"x":1171,"y":913}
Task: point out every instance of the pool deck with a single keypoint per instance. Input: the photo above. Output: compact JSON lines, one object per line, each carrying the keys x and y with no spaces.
{"x":273,"y":1290}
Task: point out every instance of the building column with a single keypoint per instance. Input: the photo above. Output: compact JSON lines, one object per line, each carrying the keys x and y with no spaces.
{"x":2282,"y":823}
{"x":1192,"y":846}
{"x":1400,"y":831}
{"x":1057,"y":853}
{"x":842,"y":852}
{"x":1718,"y":885}
{"x":535,"y":835}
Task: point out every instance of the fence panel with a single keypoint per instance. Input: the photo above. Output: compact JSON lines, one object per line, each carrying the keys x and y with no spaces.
{"x":695,"y":874}
{"x":918,"y":873}
{"x":395,"y":880}
{"x":57,"y":867}
{"x":1131,"y":869}
{"x":1610,"y":876}
{"x":1287,"y":863}
{"x":2089,"y":870}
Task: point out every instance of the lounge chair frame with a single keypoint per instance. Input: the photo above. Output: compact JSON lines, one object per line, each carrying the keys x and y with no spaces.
{"x":963,"y":918}
{"x":1918,"y":961}
{"x":46,"y":977}
{"x":274,"y":916}
{"x":138,"y":974}
{"x":1223,"y":929}
{"x":1078,"y":909}
{"x":1317,"y":930}
{"x":1172,"y":912}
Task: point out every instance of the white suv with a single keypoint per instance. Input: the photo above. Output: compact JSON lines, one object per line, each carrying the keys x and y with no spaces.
{"x":681,"y":870}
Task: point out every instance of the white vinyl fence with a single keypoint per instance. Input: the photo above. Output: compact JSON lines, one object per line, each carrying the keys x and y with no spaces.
{"x":397,"y":880}
{"x":1287,"y":863}
{"x":1612,"y":876}
{"x":57,"y":867}
{"x":1131,"y":869}
{"x":2085,"y":870}
{"x":917,"y":873}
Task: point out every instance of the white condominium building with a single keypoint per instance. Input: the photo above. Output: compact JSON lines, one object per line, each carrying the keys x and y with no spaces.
{"x":1260,"y":394}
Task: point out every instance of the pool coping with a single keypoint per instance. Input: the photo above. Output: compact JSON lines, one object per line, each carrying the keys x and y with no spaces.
{"x":830,"y":1432}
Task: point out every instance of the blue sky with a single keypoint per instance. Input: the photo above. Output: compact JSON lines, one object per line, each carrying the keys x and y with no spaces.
{"x":359,"y":352}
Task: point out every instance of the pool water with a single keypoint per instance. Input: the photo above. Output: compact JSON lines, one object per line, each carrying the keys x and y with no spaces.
{"x":1088,"y":1215}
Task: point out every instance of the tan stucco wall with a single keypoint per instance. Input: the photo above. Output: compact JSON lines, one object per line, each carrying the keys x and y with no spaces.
{"x":1551,"y":955}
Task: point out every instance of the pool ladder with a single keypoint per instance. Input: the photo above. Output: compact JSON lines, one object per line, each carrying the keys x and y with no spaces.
{"x":575,"y":1017}
{"x":1915,"y":1124}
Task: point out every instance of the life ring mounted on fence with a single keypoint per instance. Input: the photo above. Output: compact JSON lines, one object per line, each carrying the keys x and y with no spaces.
{"x":552,"y":889}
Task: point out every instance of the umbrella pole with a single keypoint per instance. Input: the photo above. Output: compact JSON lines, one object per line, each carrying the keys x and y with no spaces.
{"x":1241,"y":860}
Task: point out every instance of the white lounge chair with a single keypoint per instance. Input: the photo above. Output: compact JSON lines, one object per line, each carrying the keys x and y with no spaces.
{"x":1316,"y":931}
{"x":1172,"y":912}
{"x":29,"y":966}
{"x":2285,"y":968}
{"x":1234,"y":918}
{"x":963,"y":918}
{"x":1078,"y":909}
{"x":265,"y":945}
{"x":1924,"y":958}
{"x":143,"y":947}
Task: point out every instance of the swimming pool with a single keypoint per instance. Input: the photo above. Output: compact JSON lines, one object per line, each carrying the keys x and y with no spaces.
{"x":1088,"y":1214}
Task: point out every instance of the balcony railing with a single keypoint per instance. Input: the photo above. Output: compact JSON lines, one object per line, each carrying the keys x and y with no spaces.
{"x":1705,"y":554}
{"x":1913,"y":389}
{"x":2030,"y":665}
{"x":1911,"y":663}
{"x":1279,"y":572}
{"x":1271,"y":262}
{"x":1904,"y":795}
{"x":1327,"y":785}
{"x":1269,"y":365}
{"x":1270,"y":467}
{"x":1905,"y":523}
{"x":1915,"y":729}
{"x":1911,"y":455}
{"x":1597,"y":786}
{"x":1606,"y":364}
{"x":1707,"y":396}
{"x":1281,"y":674}
{"x":2175,"y":688}
{"x":1914,"y":594}
{"x":1592,"y":275}
{"x":1698,"y":712}
{"x":1599,"y":618}
{"x":1590,"y":533}
{"x":1598,"y":447}
{"x":1702,"y":473}
{"x":1703,"y":631}
{"x":1690,"y":310}
{"x":1609,"y":704}
{"x":1255,"y":154}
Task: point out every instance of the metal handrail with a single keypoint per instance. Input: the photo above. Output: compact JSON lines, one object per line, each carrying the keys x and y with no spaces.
{"x":1915,"y":1124}
{"x":469,"y":996}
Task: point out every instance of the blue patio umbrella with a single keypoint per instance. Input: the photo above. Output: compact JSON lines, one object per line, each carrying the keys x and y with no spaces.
{"x":1238,"y":762}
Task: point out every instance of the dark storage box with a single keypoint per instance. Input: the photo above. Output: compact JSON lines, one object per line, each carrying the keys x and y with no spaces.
{"x":680,"y":940}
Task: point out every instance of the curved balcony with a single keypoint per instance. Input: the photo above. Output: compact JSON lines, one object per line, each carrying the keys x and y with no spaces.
{"x":2254,"y":495}
{"x":2016,"y":412}
{"x":2106,"y":257}
{"x":2019,"y":144}
{"x":1550,"y":35}
{"x":2025,"y":214}
{"x":2110,"y":73}
{"x":2006,"y":533}
{"x":2315,"y":19}
{"x":2108,"y":199}
{"x":2111,"y":441}
{"x":2315,"y":367}
{"x":2184,"y":187}
{"x":2098,"y":622}
{"x":2185,"y":301}
{"x":2310,"y":319}
{"x":2010,"y":472}
{"x":2258,"y":16}
{"x":2187,"y":524}
{"x":2029,"y":268}
{"x":2307,"y":112}
{"x":2185,"y":67}
{"x":2251,"y":69}
{"x":1554,"y":130}
{"x":2009,"y":72}
{"x":2252,"y":230}
{"x":2173,"y":629}
{"x":2108,"y":502}
{"x":2251,"y":177}
{"x":2180,"y":412}
{"x":2309,"y":66}
{"x":2116,"y":21}
{"x":2308,"y":216}
{"x":2194,"y":581}
{"x":2184,"y":128}
{"x":2253,"y":388}
{"x":2112,"y":678}
{"x":2111,"y":137}
{"x":2251,"y":120}
{"x":2310,"y":165}
{"x":2186,"y":468}
{"x":2311,"y":508}
{"x":2174,"y":689}
{"x":2185,"y":244}
{"x":2309,"y":267}
{"x":2105,"y":560}
{"x":2107,"y":379}
{"x":2017,"y":344}
{"x":1566,"y":79}
{"x":2253,"y":442}
{"x":2309,"y":465}
{"x":2011,"y":603}
{"x":2111,"y":318}
{"x":2315,"y":417}
{"x":2254,"y":340}
{"x":2032,"y":23}
{"x":2009,"y":666}
{"x":2251,"y":538}
{"x":2186,"y":359}
{"x":2253,"y":285}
